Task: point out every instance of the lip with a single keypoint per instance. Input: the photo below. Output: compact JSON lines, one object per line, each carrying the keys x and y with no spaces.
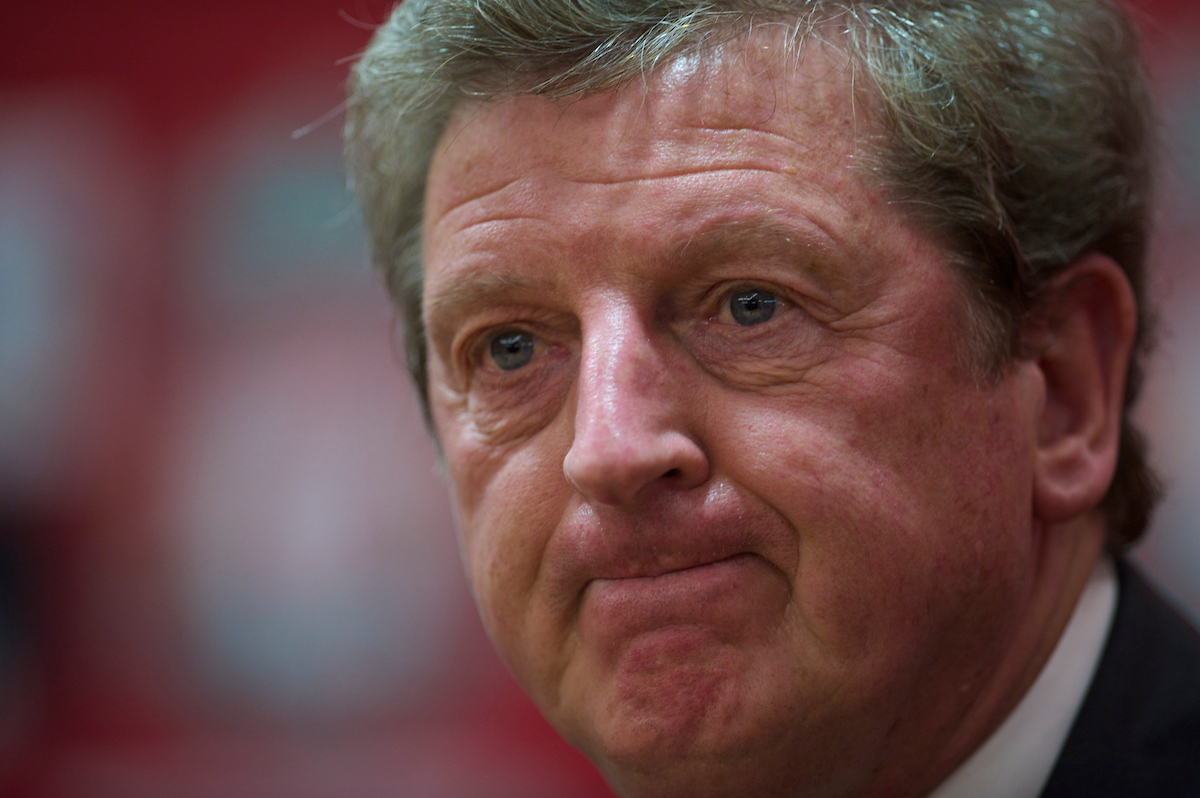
{"x":667,"y":539}
{"x":642,"y":564}
{"x":723,"y":594}
{"x":671,"y":575}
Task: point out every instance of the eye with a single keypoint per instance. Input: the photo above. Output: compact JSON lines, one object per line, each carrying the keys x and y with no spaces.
{"x":512,"y":349}
{"x":750,"y":307}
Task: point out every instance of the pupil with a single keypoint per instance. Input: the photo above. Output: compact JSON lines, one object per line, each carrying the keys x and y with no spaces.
{"x":752,"y":307}
{"x":511,"y":350}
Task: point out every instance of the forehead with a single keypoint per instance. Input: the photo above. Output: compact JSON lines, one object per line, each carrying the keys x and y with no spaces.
{"x":532,"y":196}
{"x":758,"y":102}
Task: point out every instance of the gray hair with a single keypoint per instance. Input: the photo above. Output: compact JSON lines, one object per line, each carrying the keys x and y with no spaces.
{"x":1019,"y":131}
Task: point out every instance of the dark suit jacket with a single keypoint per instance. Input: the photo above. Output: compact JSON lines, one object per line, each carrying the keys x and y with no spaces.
{"x":1138,"y":731}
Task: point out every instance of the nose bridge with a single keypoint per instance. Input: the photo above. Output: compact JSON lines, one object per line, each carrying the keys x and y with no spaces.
{"x":622,"y":376}
{"x":631,"y":418}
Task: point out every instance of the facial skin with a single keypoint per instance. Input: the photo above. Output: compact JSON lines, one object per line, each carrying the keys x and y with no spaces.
{"x":729,"y":549}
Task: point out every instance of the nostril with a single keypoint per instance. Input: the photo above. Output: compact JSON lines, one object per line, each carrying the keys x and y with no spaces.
{"x":674,"y":472}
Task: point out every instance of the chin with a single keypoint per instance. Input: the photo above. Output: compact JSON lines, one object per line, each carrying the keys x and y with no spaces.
{"x":676,"y":714}
{"x":730,"y":772}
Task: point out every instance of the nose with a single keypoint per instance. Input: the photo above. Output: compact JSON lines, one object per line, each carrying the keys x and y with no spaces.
{"x":632,"y":417}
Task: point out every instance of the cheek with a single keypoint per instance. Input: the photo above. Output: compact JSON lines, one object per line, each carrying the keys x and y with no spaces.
{"x":909,"y":500}
{"x":509,"y":501}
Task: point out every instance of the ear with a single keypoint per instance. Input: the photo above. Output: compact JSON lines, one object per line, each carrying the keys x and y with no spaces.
{"x":1086,"y":328}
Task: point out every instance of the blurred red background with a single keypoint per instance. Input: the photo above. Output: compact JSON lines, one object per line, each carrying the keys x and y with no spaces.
{"x":227,"y":564}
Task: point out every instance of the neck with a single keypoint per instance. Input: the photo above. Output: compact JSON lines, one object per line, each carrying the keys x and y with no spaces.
{"x":1069,"y":553}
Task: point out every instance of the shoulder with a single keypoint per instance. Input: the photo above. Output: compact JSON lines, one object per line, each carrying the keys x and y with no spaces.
{"x":1138,"y":731}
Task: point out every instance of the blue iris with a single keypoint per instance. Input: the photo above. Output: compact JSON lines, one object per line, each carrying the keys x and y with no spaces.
{"x":752,"y":307}
{"x":512,"y":350}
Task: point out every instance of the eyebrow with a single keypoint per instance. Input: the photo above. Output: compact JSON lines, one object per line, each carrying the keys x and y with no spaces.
{"x":811,"y":249}
{"x":481,"y":287}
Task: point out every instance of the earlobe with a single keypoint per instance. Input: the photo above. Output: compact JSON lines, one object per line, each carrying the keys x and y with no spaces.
{"x":1086,"y":328}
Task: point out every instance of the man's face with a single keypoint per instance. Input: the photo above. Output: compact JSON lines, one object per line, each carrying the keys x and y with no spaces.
{"x":730,"y":492}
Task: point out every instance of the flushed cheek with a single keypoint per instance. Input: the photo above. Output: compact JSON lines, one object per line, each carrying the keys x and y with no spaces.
{"x":517,"y":501}
{"x":900,"y":505}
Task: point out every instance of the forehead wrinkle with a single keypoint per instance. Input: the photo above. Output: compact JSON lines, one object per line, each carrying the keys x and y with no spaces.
{"x":516,"y":217}
{"x":674,"y":158}
{"x":668,"y":175}
{"x":740,"y":146}
{"x":461,"y":202}
{"x":739,"y":129}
